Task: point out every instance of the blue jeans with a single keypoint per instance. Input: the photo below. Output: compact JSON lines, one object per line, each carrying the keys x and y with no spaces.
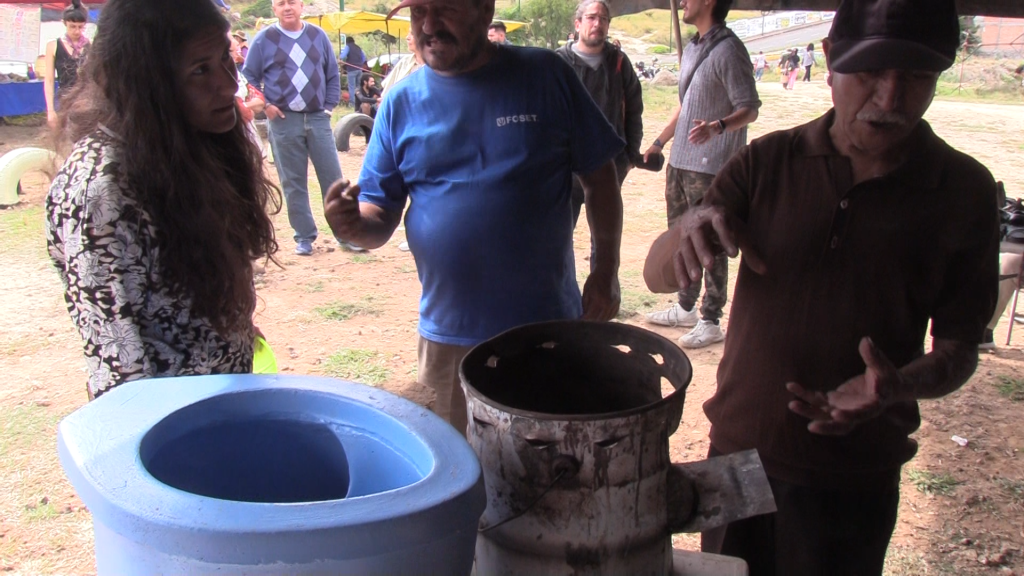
{"x":295,"y":140}
{"x":353,"y":83}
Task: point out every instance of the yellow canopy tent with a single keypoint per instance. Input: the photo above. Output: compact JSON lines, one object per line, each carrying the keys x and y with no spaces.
{"x":360,"y":22}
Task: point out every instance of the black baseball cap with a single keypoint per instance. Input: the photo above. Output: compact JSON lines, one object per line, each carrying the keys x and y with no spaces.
{"x":871,"y":35}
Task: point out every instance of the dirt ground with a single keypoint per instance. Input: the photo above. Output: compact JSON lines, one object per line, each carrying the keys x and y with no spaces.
{"x":962,"y":508}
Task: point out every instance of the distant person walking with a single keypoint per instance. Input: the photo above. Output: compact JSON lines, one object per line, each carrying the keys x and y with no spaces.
{"x":760,"y":63}
{"x":354,"y":60}
{"x":808,"y":62}
{"x":792,"y":68}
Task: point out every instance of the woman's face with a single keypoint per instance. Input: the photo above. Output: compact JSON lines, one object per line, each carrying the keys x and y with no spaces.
{"x":207,"y":81}
{"x":74,"y":30}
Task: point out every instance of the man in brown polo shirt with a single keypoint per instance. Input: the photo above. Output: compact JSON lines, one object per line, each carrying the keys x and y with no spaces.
{"x":857,"y":229}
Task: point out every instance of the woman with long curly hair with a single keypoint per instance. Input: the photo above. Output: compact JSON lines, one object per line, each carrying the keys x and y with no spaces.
{"x":160,"y":209}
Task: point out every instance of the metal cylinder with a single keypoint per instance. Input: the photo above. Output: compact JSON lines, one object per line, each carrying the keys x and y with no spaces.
{"x":571,"y":422}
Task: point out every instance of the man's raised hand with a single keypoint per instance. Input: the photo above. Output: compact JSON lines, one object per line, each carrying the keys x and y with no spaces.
{"x":700,"y":234}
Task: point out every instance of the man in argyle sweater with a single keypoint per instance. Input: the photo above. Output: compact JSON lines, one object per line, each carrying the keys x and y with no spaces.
{"x":293,"y":63}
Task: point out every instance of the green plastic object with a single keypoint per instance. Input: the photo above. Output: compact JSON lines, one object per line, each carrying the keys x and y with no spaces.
{"x":263,"y":359}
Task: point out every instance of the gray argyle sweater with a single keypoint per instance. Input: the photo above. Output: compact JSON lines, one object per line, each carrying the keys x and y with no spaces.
{"x":297,"y":74}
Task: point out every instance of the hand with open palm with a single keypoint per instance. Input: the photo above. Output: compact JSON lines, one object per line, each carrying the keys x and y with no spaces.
{"x":856,"y":401}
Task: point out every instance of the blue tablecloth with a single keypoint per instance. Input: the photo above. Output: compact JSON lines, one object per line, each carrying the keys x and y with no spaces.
{"x":20,"y":98}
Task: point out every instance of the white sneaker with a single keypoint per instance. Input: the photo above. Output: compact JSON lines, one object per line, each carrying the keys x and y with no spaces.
{"x":674,"y":316}
{"x":704,"y":334}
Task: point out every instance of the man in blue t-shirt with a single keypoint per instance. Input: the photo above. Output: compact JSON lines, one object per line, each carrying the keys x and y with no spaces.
{"x":483,"y":143}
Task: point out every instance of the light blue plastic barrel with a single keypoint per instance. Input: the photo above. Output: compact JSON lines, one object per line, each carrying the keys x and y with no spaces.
{"x":270,"y":475}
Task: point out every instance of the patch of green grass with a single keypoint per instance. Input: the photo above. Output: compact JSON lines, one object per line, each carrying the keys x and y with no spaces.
{"x":1013,"y":488}
{"x":315,"y":286}
{"x":23,"y":426}
{"x":660,"y":101}
{"x":44,"y":510}
{"x":932,"y":483}
{"x":341,"y":311}
{"x":406,"y":269}
{"x":634,"y":302}
{"x":1009,"y":94}
{"x":365,"y":366}
{"x":21,"y":229}
{"x":1012,"y":388}
{"x":363,"y":258}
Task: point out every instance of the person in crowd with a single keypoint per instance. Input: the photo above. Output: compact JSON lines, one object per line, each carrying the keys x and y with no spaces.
{"x":367,"y":95}
{"x":300,"y":94}
{"x":250,"y":100}
{"x":243,"y":43}
{"x":222,"y":5}
{"x":719,"y":99}
{"x":64,"y":56}
{"x":808,"y":61}
{"x":406,"y":66}
{"x":857,"y":231}
{"x":609,"y":78}
{"x":353,"y":59}
{"x":161,"y":207}
{"x":482,"y":143}
{"x":760,"y":63}
{"x":792,"y":69}
{"x":496,"y":33}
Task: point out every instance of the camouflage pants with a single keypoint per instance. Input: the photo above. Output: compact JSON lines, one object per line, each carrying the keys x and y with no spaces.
{"x":683,"y":190}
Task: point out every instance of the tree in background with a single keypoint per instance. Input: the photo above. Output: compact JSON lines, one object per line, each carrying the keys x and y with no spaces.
{"x":550,"y":21}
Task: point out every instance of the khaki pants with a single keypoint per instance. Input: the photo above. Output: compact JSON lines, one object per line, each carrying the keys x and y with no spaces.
{"x":438,"y":368}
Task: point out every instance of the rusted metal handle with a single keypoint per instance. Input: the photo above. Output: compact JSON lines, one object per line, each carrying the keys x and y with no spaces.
{"x":714,"y":492}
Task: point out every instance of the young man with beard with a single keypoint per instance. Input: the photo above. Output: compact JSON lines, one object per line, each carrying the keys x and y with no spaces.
{"x":857,"y":230}
{"x":608,"y":76}
{"x":482,"y":143}
{"x":718,"y":99}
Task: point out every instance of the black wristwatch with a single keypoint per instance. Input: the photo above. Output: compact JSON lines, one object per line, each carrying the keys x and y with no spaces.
{"x":657,"y":142}
{"x":721,"y":125}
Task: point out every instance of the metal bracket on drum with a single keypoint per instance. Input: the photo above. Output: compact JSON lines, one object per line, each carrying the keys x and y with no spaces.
{"x":714,"y":492}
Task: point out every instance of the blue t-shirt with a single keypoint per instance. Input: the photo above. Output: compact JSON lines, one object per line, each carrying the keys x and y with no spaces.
{"x":486,"y":159}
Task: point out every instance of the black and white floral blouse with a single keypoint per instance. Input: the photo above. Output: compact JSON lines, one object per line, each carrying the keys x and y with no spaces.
{"x":104,"y":246}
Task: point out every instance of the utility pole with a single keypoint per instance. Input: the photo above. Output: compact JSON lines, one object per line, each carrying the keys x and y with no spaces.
{"x":341,"y":5}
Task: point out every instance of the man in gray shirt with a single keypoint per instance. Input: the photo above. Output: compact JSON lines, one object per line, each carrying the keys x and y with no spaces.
{"x":718,"y":98}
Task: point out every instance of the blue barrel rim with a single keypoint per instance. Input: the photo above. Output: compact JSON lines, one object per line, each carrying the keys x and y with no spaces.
{"x":217,"y":529}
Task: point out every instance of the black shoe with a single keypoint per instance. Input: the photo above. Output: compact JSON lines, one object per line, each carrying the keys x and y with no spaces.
{"x":987,"y":341}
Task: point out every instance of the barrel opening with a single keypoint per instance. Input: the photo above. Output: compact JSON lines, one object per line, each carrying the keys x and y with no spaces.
{"x":272,"y":446}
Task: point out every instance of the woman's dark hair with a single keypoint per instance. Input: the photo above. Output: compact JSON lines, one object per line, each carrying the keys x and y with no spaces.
{"x":206,"y":193}
{"x":810,"y":47}
{"x":721,"y":10}
{"x":76,"y":12}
